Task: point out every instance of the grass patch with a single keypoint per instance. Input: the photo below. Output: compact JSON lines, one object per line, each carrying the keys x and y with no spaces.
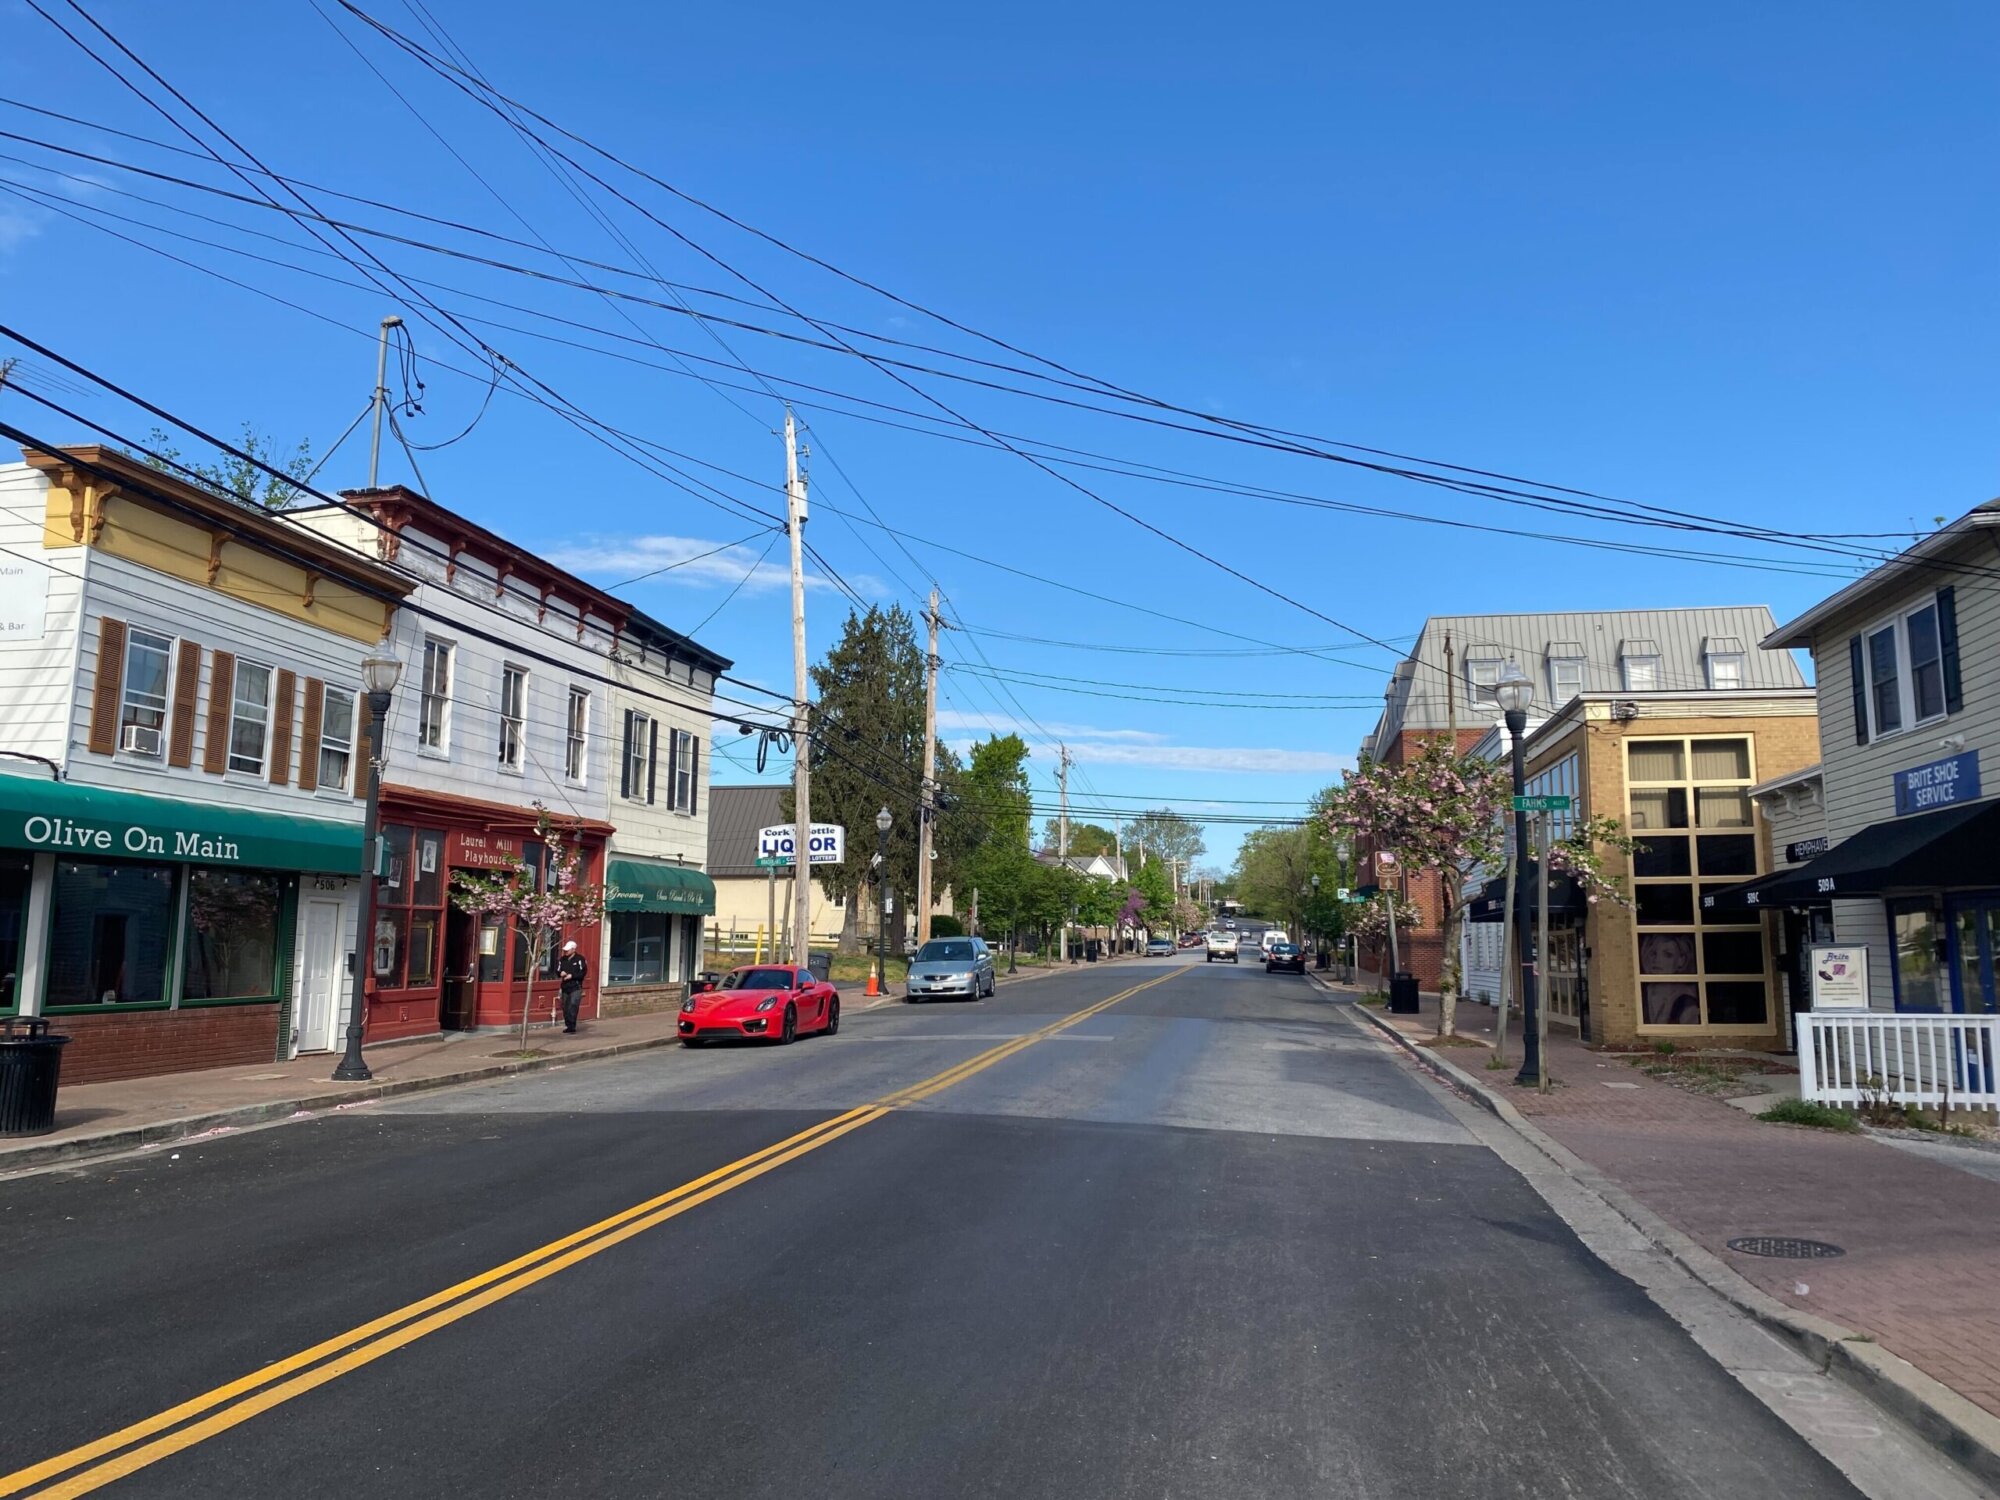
{"x":1495,"y":1063}
{"x":1380,"y":1000}
{"x":1804,"y":1112}
{"x":1450,"y":1041}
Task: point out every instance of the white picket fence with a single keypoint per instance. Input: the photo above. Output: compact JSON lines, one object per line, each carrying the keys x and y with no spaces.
{"x":1936,"y":1062}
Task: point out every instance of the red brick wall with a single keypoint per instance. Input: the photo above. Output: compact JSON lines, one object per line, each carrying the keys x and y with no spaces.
{"x":141,"y":1043}
{"x":638,"y":999}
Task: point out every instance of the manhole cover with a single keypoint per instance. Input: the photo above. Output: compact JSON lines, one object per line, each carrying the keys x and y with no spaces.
{"x":1779,"y":1247}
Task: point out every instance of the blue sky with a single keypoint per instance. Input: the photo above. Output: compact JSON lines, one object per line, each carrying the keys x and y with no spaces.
{"x":1733,"y":260}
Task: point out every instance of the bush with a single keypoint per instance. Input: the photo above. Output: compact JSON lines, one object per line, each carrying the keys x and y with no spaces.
{"x":947,"y":926}
{"x":1803,"y":1112}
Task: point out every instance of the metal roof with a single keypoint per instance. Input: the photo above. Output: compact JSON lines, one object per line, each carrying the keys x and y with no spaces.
{"x":1417,"y":697}
{"x":735,"y":813}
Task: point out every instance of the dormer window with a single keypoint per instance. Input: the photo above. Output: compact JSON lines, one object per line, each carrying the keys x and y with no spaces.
{"x":1482,"y":671}
{"x":1724,"y":656}
{"x":1565,"y":670}
{"x":1640,"y":661}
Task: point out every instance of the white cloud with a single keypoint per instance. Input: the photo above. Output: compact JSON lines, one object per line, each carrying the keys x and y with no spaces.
{"x":619,"y":558}
{"x":985,"y":724}
{"x":16,"y":229}
{"x":1211,"y":758}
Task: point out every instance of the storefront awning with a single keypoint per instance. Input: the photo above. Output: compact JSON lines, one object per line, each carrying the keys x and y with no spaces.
{"x":648,"y":885}
{"x":61,"y":817}
{"x":1566,"y":897}
{"x":1950,"y":849}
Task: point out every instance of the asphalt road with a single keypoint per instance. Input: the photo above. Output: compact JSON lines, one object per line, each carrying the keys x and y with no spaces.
{"x":1210,"y":1241}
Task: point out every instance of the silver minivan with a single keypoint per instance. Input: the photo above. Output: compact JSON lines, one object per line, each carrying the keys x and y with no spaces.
{"x":951,"y":966}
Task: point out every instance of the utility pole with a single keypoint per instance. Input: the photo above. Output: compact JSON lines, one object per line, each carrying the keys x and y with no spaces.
{"x":795,"y":522}
{"x":1062,"y":843}
{"x":927,"y":813}
{"x":381,"y":398}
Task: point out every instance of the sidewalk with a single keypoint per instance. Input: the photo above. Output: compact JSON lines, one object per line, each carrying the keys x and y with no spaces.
{"x":95,"y":1119}
{"x":1921,"y":1272}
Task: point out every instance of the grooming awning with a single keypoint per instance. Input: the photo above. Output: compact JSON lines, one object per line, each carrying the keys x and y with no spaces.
{"x":649,"y":885}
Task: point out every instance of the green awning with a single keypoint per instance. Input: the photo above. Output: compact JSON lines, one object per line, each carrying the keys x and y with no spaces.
{"x":64,"y":818}
{"x":648,"y":885}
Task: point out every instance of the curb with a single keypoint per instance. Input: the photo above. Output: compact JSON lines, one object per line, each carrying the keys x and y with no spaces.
{"x":108,"y":1142}
{"x":1963,"y":1432}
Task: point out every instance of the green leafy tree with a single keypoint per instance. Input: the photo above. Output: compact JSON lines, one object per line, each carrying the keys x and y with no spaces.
{"x":867,"y":753}
{"x":236,"y":478}
{"x":1165,"y":834}
{"x":1085,"y":839}
{"x":1154,"y":883}
{"x":994,"y":801}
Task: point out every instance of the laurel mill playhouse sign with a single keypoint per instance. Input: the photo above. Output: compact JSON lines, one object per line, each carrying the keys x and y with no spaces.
{"x":60,"y":817}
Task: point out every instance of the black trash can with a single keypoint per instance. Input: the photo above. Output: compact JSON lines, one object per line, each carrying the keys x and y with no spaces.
{"x":30,"y":1067}
{"x":819,"y":963}
{"x":1090,"y":951}
{"x":1322,"y":959}
{"x":1403,"y":994}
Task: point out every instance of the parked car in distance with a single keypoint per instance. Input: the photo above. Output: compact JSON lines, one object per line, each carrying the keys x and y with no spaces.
{"x":1160,"y":947}
{"x":961,"y":966}
{"x":765,"y":1002}
{"x":1221,"y":945}
{"x":1282,"y":956}
{"x":1193,"y":939}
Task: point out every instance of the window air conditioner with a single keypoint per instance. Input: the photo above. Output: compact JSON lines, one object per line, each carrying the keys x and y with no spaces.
{"x":139,"y":739}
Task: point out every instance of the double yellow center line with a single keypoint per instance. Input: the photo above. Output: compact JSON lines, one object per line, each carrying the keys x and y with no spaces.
{"x":117,"y":1454}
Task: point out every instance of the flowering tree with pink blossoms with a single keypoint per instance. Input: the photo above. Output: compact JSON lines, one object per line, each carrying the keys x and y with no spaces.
{"x":1369,"y":920}
{"x":1438,"y":812}
{"x":542,"y":902}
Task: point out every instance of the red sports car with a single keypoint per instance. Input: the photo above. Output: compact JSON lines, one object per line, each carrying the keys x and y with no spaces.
{"x":772,"y":1002}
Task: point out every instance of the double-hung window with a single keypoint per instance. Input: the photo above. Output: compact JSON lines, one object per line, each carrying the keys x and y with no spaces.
{"x":686,"y":761}
{"x":1906,"y":668}
{"x":1481,"y":675}
{"x":1565,"y":670}
{"x":577,"y":745}
{"x":513,"y":711}
{"x":434,"y":708}
{"x":250,"y":718}
{"x":142,"y":712}
{"x":1725,"y":671}
{"x":1642,"y":674}
{"x":642,"y":742}
{"x":336,"y":739}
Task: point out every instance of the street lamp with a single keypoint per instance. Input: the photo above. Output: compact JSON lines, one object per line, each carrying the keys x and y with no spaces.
{"x":882,"y":824}
{"x":1515,"y":693}
{"x":380,"y":673}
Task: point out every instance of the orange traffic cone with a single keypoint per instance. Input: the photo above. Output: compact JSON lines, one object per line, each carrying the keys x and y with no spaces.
{"x":873,"y":990}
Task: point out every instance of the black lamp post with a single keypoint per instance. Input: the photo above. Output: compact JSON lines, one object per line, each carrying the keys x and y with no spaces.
{"x":882,"y":824}
{"x":379,"y":674}
{"x":1515,"y":693}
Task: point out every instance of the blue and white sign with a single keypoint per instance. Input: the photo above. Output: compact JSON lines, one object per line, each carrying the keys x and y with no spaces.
{"x":777,"y":846}
{"x":1942,"y":783}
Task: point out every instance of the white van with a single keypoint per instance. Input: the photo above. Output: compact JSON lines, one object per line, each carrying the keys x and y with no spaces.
{"x":1272,"y":935}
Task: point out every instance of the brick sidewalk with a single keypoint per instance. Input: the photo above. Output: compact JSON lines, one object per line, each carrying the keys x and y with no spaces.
{"x":1922,"y":1270}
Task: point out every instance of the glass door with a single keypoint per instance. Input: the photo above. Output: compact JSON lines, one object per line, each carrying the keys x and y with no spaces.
{"x":1975,"y":941}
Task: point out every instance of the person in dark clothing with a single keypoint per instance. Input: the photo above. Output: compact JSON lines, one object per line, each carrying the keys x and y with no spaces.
{"x":572,"y":969}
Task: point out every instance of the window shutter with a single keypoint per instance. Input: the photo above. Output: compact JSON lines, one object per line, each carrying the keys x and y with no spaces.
{"x":364,"y":746}
{"x":1860,"y":690}
{"x":1947,"y":607}
{"x":312,"y":715}
{"x":625,"y":759}
{"x":673,"y":769}
{"x":221,"y":691}
{"x":187,"y":696}
{"x":110,"y":679}
{"x":281,"y":727}
{"x":694,"y":773}
{"x":652,"y":758}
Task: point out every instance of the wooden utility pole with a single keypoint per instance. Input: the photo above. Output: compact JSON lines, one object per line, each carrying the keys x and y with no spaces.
{"x":927,"y":812}
{"x":795,"y":521}
{"x":1062,"y":842}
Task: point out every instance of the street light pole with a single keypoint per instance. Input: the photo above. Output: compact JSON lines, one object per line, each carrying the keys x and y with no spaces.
{"x":1515,"y":693}
{"x":379,"y":674}
{"x":882,"y":824}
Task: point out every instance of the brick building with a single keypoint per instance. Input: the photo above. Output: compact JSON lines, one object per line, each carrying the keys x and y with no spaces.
{"x":1445,"y":686}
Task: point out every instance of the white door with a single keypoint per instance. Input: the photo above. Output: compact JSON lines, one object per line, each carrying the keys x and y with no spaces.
{"x":319,"y":993}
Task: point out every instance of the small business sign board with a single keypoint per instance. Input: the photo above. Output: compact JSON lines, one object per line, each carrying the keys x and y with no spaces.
{"x":1551,"y":803}
{"x":24,"y":599}
{"x":1800,"y":850}
{"x":776,"y":847}
{"x":1840,"y":978}
{"x":1942,"y":783}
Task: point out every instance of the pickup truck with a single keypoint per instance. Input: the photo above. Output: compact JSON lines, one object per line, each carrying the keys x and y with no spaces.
{"x":1221,"y":945}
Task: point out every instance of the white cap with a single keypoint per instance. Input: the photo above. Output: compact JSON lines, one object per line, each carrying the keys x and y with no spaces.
{"x":570,"y":946}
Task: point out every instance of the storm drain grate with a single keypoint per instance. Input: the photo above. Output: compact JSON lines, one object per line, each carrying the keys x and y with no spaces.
{"x":1781,"y":1247}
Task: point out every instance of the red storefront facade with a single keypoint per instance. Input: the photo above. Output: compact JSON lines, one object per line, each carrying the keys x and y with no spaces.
{"x":435,"y":968}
